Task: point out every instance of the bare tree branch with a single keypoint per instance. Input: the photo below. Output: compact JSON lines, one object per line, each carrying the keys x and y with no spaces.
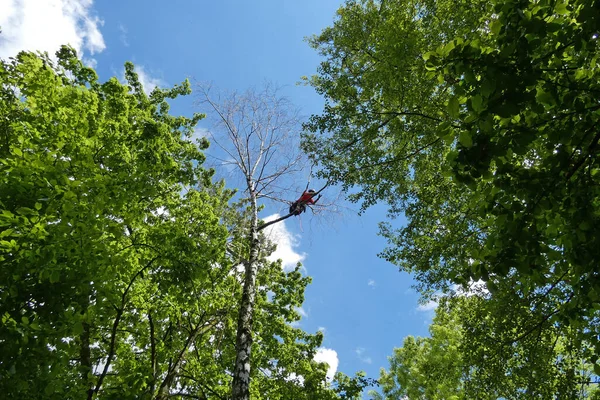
{"x":263,"y":226}
{"x":261,"y":131}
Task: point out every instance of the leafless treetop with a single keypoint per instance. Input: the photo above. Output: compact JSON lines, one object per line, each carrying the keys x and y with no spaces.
{"x":257,"y":133}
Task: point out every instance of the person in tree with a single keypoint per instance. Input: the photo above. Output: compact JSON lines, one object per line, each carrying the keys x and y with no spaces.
{"x":299,"y":206}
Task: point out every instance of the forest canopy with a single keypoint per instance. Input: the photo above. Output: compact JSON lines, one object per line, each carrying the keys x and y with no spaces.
{"x":118,"y":277}
{"x":478,"y":122}
{"x":128,"y":270}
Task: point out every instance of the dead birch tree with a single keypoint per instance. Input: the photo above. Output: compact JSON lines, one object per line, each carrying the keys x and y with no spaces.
{"x":256,"y":133}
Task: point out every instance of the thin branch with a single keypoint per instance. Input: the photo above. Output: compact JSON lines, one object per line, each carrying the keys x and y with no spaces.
{"x":263,"y":226}
{"x":191,"y":396}
{"x":113,"y":336}
{"x":409,"y":113}
{"x":205,"y":387}
{"x":583,"y":159}
{"x":153,"y":360}
{"x":539,"y":324}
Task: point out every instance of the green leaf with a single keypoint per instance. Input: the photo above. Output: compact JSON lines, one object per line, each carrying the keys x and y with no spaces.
{"x":444,"y":129}
{"x":465,"y":139}
{"x":449,"y":47}
{"x":430,"y":55}
{"x":495,"y":27}
{"x":77,"y":328}
{"x":25,"y":211}
{"x":487,"y":87}
{"x":453,"y":107}
{"x":584,"y":226}
{"x":544,"y":98}
{"x":561,"y":9}
{"x":507,"y":110}
{"x":54,"y":276}
{"x":476,"y":103}
{"x":6,"y":232}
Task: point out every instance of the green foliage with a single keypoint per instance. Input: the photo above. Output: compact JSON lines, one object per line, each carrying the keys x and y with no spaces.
{"x":446,"y":364}
{"x":430,"y":367}
{"x":118,"y":276}
{"x":85,"y":168}
{"x":479,"y":123}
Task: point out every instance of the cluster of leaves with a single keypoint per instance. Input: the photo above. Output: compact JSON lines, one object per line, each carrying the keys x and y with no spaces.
{"x":117,"y":277}
{"x":479,"y":123}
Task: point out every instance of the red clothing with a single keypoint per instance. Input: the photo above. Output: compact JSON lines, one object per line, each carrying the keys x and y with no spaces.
{"x":306,"y":198}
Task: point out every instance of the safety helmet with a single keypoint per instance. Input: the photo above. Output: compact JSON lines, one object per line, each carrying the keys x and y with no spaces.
{"x":311,"y":190}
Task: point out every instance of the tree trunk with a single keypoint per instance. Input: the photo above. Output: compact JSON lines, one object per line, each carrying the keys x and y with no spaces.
{"x":173,"y":370}
{"x":243,"y":343}
{"x":85,"y":355}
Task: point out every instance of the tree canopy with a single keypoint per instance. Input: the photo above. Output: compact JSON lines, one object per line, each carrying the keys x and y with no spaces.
{"x":129,"y":271}
{"x":446,"y":365}
{"x":118,"y":279}
{"x":478,"y":123}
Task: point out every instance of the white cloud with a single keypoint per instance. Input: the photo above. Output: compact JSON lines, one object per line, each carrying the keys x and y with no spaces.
{"x":45,"y":25}
{"x":200,"y":133}
{"x":90,"y":62}
{"x":429,"y":306}
{"x":360,"y":352}
{"x":302,"y":312}
{"x":148,"y":82}
{"x":123,"y":35}
{"x":330,"y":357}
{"x":286,"y":243}
{"x":371,"y":283}
{"x":321,"y":329}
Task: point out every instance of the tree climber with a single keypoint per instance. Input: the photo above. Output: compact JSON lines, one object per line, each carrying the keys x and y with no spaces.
{"x":299,"y":206}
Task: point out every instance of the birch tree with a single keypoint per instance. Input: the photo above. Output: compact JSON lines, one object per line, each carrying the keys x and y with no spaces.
{"x":255,"y":132}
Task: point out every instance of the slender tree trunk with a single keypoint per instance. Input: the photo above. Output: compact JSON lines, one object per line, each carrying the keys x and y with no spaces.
{"x":85,"y":357}
{"x":243,"y":343}
{"x":173,"y":371}
{"x":153,"y":361}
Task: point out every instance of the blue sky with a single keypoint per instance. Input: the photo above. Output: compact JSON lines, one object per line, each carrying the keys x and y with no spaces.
{"x":365,"y":306}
